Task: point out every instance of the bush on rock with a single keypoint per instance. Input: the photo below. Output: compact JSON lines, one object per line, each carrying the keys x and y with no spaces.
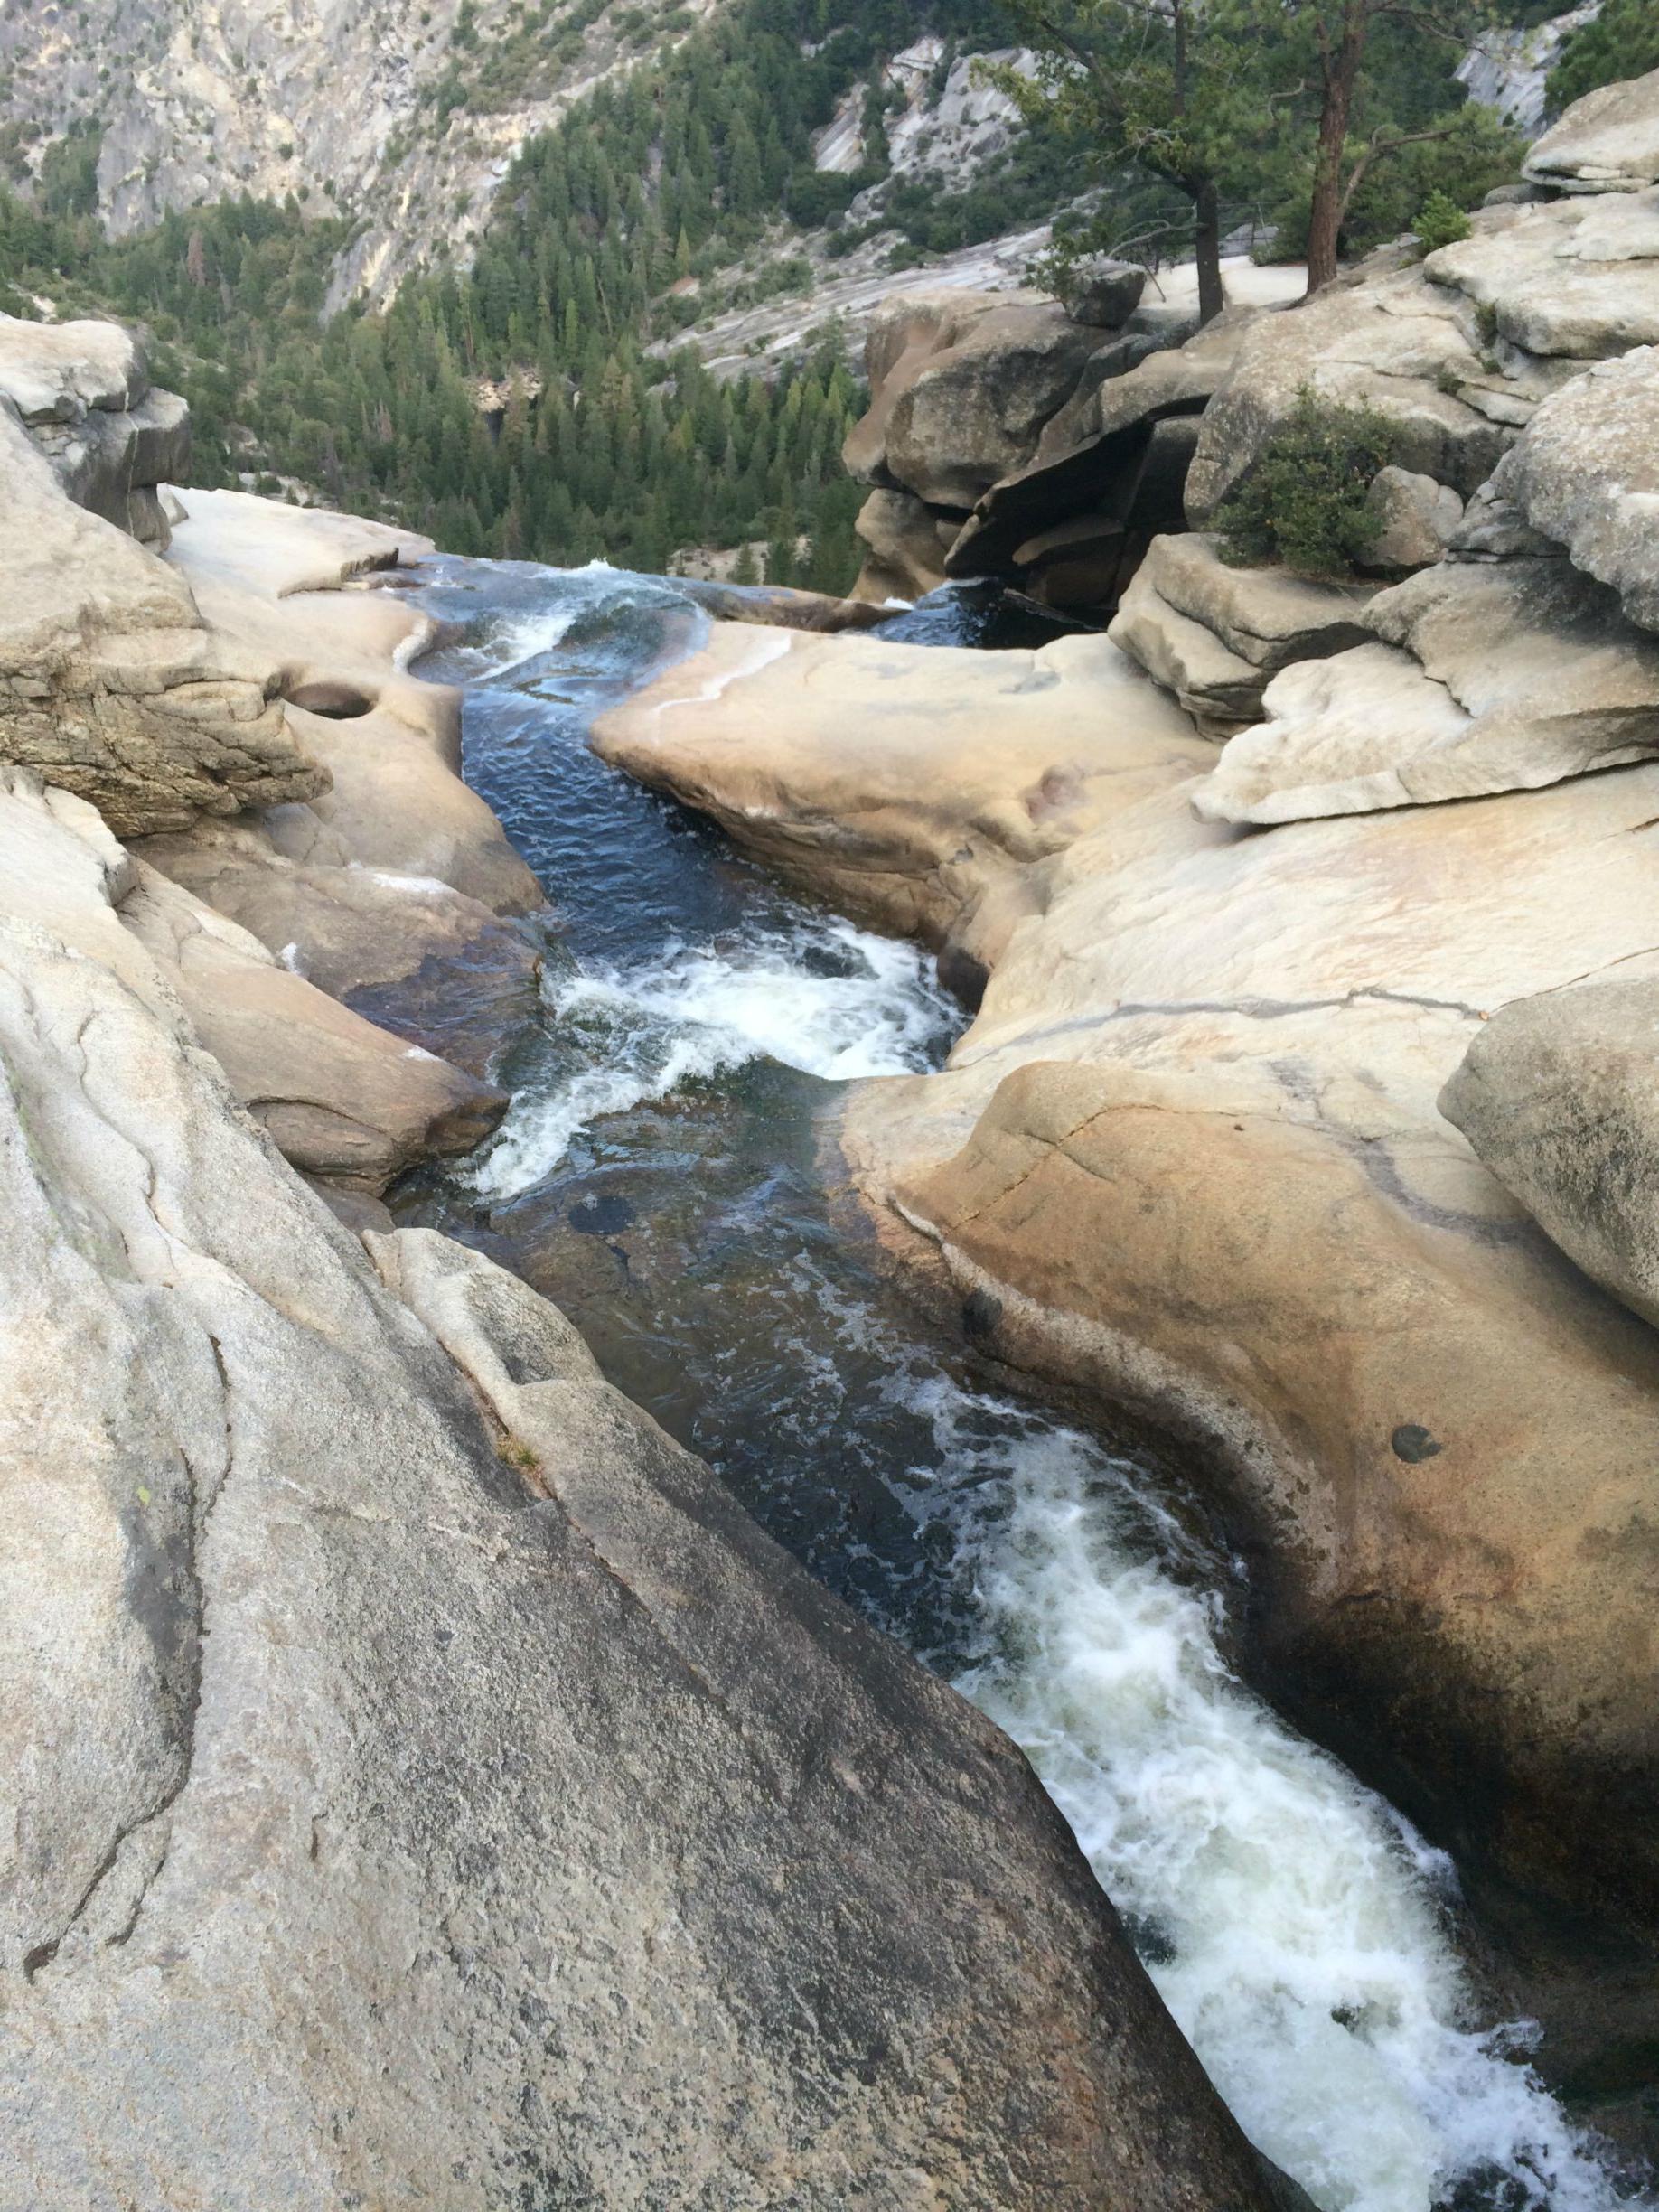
{"x":1305,"y":500}
{"x":1440,"y":221}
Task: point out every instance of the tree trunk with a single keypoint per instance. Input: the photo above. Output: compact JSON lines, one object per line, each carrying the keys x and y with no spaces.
{"x":1342,"y":68}
{"x":1206,"y":252}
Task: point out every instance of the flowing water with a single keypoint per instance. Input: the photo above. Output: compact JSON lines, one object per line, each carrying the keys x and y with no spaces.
{"x":657,"y":1177}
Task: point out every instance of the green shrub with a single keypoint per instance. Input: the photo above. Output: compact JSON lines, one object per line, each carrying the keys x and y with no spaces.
{"x":1304,"y":502}
{"x":1440,"y":221}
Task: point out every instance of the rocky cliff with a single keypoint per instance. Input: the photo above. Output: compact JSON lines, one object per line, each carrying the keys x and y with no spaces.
{"x":1197,"y":1152}
{"x":422,"y":1782}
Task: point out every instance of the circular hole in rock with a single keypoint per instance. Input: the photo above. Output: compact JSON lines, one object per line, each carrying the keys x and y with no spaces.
{"x":337,"y":702}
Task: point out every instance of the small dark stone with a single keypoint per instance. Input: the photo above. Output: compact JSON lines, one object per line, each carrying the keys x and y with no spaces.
{"x":1414,"y":1444}
{"x":980,"y":1314}
{"x":601,"y":1216}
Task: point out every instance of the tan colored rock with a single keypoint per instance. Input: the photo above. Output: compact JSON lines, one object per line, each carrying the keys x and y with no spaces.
{"x":1501,"y":677}
{"x":961,"y":385}
{"x":1609,"y":141}
{"x":83,"y":393}
{"x":270,"y":578}
{"x":414,"y":1765}
{"x":110,"y":685}
{"x":1029,"y":748}
{"x":1585,"y":472}
{"x":342,"y":1099}
{"x":1217,"y":687}
{"x":905,"y":546}
{"x":1214,"y":633}
{"x":1188,"y":1156}
{"x":1557,"y":1094}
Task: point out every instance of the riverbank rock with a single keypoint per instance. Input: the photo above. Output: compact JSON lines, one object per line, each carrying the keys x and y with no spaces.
{"x":1557,"y":1094}
{"x":83,"y":393}
{"x":1189,"y":1156}
{"x":1499,"y":676}
{"x":1609,"y":141}
{"x":417,"y":1766}
{"x":940,"y":780}
{"x":1104,"y":293}
{"x":397,"y":891}
{"x":110,"y":683}
{"x":905,"y":543}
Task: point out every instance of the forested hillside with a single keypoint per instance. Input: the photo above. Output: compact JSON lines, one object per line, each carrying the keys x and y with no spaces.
{"x":537,"y":400}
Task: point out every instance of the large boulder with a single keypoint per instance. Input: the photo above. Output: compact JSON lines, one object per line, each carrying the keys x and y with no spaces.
{"x":1188,"y":1156}
{"x":905,"y":542}
{"x":111,"y":685}
{"x":1574,"y":281}
{"x":1559,"y":1097}
{"x":420,"y":1778}
{"x":1033,"y":748}
{"x":1586,"y":473}
{"x":82,"y":391}
{"x":1492,"y":677}
{"x":961,"y":385}
{"x":1386,"y":337}
{"x":1609,"y":141}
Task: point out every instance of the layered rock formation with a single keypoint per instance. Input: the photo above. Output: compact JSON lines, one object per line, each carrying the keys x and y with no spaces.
{"x":82,"y":392}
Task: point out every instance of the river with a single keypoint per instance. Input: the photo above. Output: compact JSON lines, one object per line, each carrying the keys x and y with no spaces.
{"x":658,"y":1175}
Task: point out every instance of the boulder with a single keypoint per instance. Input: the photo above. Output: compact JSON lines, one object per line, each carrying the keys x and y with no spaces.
{"x":1419,"y":518}
{"x":1609,"y":141}
{"x":1268,"y":616}
{"x":1500,"y":677}
{"x":1385,"y":337}
{"x":1217,"y":687}
{"x":1029,"y":746}
{"x":960,"y":389}
{"x":778,"y":607}
{"x":1585,"y":471}
{"x":1214,"y":633}
{"x":82,"y":391}
{"x":1104,"y":293}
{"x":419,"y":1774}
{"x":1093,"y":453}
{"x":1559,"y":1097}
{"x":111,"y":685}
{"x":906,"y":545}
{"x":1577,"y":279}
{"x":344,"y":1100}
{"x":275,"y":579}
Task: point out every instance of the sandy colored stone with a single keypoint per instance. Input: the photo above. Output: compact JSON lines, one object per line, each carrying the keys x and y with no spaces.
{"x":962,"y":386}
{"x":905,"y":543}
{"x":1418,"y":519}
{"x":420,"y":1777}
{"x":920,"y":787}
{"x":1577,"y":278}
{"x":1217,"y":687}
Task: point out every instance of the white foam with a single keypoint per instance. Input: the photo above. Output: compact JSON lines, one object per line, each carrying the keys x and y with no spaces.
{"x":824,"y":997}
{"x":1298,"y":1919}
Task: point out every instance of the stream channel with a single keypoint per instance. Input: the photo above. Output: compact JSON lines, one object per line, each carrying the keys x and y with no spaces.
{"x":657,"y":1176}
